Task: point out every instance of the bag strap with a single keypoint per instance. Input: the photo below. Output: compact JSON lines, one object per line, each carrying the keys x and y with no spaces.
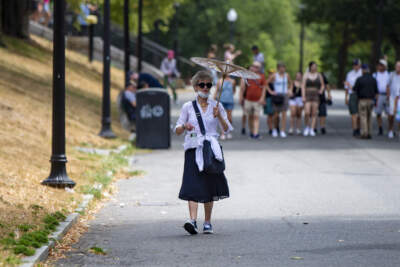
{"x":199,"y":118}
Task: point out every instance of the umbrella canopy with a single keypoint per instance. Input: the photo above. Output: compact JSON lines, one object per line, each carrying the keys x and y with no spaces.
{"x":225,"y":68}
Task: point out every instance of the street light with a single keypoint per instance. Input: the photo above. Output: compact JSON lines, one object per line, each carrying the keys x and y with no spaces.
{"x":127,"y":41}
{"x":106,"y":131}
{"x":302,"y":7}
{"x":232,"y":17}
{"x":139,"y":37}
{"x":58,"y":175}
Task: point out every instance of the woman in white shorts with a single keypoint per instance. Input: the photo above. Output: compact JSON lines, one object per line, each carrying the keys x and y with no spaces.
{"x":296,"y":105}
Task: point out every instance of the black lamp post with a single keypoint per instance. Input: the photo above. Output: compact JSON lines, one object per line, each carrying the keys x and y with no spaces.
{"x":139,"y":38}
{"x":380,"y":29}
{"x":106,"y":131}
{"x":58,"y":174}
{"x":232,"y":17}
{"x":126,"y":41}
{"x":302,"y":7}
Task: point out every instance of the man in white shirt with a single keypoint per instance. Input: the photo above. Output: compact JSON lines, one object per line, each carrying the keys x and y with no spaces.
{"x":393,"y":92}
{"x":382,"y":77}
{"x":259,"y":57}
{"x":351,"y":98}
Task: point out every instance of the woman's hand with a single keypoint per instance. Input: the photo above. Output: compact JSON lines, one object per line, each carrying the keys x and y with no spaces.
{"x":321,"y":91}
{"x":216,"y":113}
{"x":188,"y":126}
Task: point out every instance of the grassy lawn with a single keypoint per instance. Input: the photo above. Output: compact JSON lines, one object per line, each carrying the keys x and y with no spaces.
{"x":25,"y":139}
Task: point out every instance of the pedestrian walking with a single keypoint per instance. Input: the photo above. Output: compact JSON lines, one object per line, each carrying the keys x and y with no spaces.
{"x":230,"y":53}
{"x":394,"y":91}
{"x":366,"y":89}
{"x":268,"y":108}
{"x":200,"y":119}
{"x":351,"y":98}
{"x":258,"y":56}
{"x":296,"y":105}
{"x":212,"y":54}
{"x":382,"y":105}
{"x":252,"y":98}
{"x":323,"y":103}
{"x":280,"y":98}
{"x":311,"y":89}
{"x":168,"y":67}
{"x":227,"y":99}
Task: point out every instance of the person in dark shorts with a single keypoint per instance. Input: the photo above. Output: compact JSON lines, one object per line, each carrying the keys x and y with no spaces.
{"x":268,"y":108}
{"x":144,"y":80}
{"x":323,"y":103}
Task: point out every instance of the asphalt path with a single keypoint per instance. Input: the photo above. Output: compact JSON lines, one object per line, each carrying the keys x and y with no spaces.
{"x":301,"y":201}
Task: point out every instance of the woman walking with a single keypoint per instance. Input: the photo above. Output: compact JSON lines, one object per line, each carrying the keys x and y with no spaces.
{"x":228,"y":91}
{"x":199,"y":185}
{"x":280,"y":97}
{"x":312,"y":87}
{"x":296,"y":105}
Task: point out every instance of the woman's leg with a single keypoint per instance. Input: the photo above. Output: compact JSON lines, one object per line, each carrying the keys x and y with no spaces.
{"x":229,"y":114}
{"x":314,"y":113}
{"x":293,"y":114}
{"x":299,"y":111}
{"x":193,"y":207}
{"x":207,"y":211}
{"x":283,"y":122}
{"x":307,"y":113}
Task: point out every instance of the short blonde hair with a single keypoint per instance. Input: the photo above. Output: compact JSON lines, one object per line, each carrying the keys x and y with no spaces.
{"x":201,"y":75}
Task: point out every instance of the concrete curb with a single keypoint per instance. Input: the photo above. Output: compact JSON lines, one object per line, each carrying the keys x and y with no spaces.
{"x":42,"y":253}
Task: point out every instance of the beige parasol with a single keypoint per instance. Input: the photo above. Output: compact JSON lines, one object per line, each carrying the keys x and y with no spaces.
{"x":226,"y":69}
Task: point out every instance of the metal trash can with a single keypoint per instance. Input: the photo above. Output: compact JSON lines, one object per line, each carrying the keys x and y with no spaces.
{"x":153,"y":118}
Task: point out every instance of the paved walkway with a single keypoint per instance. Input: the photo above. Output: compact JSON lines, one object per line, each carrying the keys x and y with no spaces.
{"x":325,"y":201}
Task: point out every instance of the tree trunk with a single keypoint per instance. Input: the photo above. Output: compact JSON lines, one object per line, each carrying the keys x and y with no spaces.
{"x":343,"y":55}
{"x":15,"y":18}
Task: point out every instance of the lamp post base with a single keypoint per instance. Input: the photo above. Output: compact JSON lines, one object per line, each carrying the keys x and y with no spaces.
{"x":107,"y":133}
{"x":58,"y":175}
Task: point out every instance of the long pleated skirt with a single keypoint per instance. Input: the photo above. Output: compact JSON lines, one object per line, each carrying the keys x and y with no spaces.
{"x":200,"y":187}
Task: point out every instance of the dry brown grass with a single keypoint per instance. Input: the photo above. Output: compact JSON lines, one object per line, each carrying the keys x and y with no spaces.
{"x":25,"y":129}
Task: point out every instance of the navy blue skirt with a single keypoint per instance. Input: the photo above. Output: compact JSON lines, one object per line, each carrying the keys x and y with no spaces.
{"x":199,"y":186}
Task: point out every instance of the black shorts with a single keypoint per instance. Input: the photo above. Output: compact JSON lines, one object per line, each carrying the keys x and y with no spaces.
{"x":322,"y":111}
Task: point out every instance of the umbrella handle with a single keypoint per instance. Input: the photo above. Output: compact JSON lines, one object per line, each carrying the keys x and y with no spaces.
{"x":220,"y":90}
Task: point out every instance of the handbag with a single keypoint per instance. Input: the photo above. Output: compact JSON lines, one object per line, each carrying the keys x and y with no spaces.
{"x":211,"y":164}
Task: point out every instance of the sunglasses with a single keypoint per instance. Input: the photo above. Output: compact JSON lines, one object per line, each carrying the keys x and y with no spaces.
{"x":202,"y":85}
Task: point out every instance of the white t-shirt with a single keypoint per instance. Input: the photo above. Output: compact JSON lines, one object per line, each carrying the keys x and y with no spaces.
{"x":351,"y":78}
{"x":260,"y":58}
{"x":382,"y":79}
{"x":394,"y":83}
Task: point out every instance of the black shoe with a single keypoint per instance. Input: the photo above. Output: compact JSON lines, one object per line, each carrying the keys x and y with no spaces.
{"x":358,"y":132}
{"x":191,"y":227}
{"x":369,"y":136}
{"x":270,"y":132}
{"x":243,"y":131}
{"x":323,"y":131}
{"x":316,"y":130}
{"x":380,"y":131}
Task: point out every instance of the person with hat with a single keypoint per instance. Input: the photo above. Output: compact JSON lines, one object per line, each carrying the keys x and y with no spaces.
{"x":382,"y":77}
{"x":168,"y":67}
{"x":350,"y":98}
{"x":366,"y":88}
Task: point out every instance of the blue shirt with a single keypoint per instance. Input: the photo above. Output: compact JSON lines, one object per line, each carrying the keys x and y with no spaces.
{"x":227,"y":93}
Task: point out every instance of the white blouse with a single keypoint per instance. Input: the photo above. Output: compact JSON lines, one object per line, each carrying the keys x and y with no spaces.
{"x":194,"y":138}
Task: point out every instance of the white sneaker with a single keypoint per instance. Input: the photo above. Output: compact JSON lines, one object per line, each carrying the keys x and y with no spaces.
{"x":298,"y":131}
{"x":290,"y":131}
{"x":274,"y":133}
{"x":312,"y":133}
{"x":391,"y":135}
{"x":229,"y":136}
{"x":222,"y":137}
{"x":132,"y":137}
{"x":283,"y":134}
{"x":306,"y":131}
